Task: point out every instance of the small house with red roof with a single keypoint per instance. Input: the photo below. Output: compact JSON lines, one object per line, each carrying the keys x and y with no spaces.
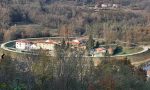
{"x":74,"y":43}
{"x":99,"y":52}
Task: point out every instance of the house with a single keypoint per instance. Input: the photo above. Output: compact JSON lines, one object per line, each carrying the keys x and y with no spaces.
{"x":74,"y":43}
{"x":100,"y":52}
{"x":23,"y":45}
{"x":110,"y":51}
{"x":104,"y":5}
{"x":115,"y":5}
{"x":109,"y":6}
{"x":34,"y":45}
{"x":46,"y":45}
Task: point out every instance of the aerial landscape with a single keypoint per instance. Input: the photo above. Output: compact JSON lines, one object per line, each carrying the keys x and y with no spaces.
{"x":74,"y":44}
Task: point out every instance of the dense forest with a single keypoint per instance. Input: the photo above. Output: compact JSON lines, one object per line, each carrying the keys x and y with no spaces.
{"x":43,"y":18}
{"x":64,"y":15}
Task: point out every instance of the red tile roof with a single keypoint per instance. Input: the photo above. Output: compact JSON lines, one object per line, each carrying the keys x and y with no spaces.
{"x":100,"y":49}
{"x":74,"y":43}
{"x":39,"y":41}
{"x":23,"y":41}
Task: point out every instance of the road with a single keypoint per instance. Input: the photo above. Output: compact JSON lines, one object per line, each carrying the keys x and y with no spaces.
{"x":145,"y":48}
{"x":136,"y":64}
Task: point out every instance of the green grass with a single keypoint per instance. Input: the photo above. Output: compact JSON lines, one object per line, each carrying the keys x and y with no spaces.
{"x":11,"y":44}
{"x":127,"y":50}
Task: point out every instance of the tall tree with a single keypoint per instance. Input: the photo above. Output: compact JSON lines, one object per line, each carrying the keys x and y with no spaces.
{"x":90,"y":43}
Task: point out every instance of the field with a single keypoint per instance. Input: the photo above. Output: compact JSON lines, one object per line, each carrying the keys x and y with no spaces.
{"x":140,"y":58}
{"x":127,"y":50}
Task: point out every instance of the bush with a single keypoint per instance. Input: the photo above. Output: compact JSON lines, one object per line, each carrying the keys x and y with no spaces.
{"x":118,"y":50}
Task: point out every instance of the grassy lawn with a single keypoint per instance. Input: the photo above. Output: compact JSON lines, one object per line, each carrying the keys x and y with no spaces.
{"x":127,"y":50}
{"x":11,"y":44}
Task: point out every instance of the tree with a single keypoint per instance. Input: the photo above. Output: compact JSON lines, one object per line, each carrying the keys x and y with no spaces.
{"x":7,"y":72}
{"x":4,"y":17}
{"x":44,"y":69}
{"x":10,"y":34}
{"x":118,"y":75}
{"x":97,"y":44}
{"x":90,"y":43}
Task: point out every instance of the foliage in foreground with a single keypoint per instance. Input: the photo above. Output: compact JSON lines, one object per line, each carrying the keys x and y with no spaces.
{"x":72,"y":73}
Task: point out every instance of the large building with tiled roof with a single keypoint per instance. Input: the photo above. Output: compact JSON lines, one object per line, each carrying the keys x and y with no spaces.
{"x":34,"y":45}
{"x":23,"y":44}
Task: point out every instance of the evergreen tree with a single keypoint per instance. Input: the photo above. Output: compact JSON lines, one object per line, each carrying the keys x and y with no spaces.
{"x":90,"y":43}
{"x":97,"y":44}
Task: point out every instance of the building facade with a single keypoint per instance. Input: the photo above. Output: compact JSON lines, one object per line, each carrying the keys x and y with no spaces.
{"x":23,"y":45}
{"x":34,"y":45}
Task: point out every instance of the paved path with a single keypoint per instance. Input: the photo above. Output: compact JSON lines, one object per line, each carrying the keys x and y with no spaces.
{"x":145,"y":48}
{"x":140,"y":62}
